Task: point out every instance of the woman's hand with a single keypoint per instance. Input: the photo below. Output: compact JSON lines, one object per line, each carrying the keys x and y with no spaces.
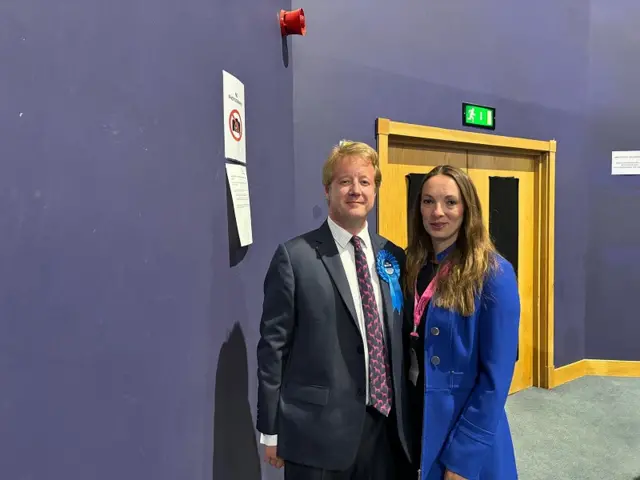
{"x":449,"y":475}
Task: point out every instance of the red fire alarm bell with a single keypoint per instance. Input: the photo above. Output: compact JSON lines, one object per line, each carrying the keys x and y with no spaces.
{"x":292,"y":22}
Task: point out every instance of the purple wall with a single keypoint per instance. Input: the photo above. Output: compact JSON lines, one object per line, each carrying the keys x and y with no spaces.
{"x":554,"y":69}
{"x":613,"y":267}
{"x":122,"y":320}
{"x":417,"y":63}
{"x":128,"y":317}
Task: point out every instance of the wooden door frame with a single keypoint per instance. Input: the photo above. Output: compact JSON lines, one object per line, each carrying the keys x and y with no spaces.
{"x":544,"y":188}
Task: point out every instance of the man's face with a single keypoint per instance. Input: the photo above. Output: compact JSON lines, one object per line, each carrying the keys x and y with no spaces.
{"x":352,"y":191}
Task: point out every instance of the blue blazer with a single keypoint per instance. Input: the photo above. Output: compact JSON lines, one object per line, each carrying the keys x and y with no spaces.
{"x":469,"y":363}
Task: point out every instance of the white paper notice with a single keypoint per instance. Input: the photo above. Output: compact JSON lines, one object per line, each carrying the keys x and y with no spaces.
{"x":235,"y":134}
{"x":625,"y":163}
{"x":237,"y":177}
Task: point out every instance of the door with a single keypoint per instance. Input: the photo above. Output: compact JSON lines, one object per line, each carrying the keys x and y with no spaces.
{"x":506,"y":185}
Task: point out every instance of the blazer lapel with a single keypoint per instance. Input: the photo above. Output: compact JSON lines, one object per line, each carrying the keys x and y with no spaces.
{"x":328,"y":253}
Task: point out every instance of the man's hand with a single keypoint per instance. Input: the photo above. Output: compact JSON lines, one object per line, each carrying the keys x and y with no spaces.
{"x":271,"y":456}
{"x":449,"y":475}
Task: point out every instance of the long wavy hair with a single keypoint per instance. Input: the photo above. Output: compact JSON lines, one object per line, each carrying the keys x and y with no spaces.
{"x":470,"y":260}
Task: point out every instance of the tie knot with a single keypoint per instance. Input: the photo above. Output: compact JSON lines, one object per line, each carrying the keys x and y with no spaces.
{"x":357,"y":242}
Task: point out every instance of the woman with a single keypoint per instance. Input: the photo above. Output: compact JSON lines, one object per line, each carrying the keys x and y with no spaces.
{"x":464,"y":335}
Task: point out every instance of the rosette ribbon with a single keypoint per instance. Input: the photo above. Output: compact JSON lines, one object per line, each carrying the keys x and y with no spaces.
{"x":389,"y":271}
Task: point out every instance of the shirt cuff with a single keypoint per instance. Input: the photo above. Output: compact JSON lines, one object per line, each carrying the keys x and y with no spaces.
{"x":269,"y":440}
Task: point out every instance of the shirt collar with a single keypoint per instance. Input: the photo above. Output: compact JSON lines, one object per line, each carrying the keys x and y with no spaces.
{"x":343,"y":238}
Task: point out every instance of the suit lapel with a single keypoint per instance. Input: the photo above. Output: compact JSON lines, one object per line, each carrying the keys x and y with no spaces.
{"x":378,"y":244}
{"x":328,"y":253}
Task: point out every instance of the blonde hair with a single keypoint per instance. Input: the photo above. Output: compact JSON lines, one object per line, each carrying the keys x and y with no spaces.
{"x":472,"y":257}
{"x":347,"y":148}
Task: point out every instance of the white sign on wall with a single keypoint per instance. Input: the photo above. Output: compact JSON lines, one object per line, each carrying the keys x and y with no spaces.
{"x":625,"y":163}
{"x":239,"y":186}
{"x":235,"y":130}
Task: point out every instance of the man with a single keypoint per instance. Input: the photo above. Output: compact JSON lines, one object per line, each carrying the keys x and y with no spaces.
{"x":330,"y":358}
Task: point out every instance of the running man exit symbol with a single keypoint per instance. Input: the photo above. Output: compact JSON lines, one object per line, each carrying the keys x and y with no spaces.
{"x":478,"y":116}
{"x":471,"y":116}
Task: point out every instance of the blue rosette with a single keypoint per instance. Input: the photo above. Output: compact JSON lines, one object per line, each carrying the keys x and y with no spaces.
{"x":389,"y":271}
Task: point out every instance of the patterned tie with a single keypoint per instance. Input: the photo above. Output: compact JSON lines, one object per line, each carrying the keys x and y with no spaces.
{"x":379,"y":368}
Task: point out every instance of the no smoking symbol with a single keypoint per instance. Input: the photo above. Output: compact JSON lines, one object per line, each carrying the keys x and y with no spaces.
{"x":235,"y":125}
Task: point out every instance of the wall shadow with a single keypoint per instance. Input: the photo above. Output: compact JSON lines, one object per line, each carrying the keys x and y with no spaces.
{"x":235,"y":447}
{"x":285,"y":52}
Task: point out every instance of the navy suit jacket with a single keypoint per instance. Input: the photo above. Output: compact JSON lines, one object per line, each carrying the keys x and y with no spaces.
{"x":311,"y":372}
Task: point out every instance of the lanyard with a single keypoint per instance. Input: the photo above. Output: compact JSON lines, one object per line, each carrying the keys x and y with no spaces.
{"x":420,"y":304}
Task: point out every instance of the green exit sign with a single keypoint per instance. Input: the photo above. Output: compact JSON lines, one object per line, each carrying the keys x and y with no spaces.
{"x":478,"y":116}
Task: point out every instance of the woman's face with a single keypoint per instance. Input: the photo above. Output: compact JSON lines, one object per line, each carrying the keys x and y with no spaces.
{"x":442,"y":210}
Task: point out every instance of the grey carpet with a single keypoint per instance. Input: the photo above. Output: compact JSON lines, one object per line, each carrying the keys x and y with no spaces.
{"x":588,"y":429}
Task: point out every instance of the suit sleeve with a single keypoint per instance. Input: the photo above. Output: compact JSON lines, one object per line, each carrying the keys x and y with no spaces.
{"x":473,"y":435}
{"x":276,"y":331}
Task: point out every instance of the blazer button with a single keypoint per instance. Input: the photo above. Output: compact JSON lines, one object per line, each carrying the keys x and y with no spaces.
{"x":361,"y":392}
{"x":435,"y":360}
{"x":435,"y":331}
{"x":360,"y":349}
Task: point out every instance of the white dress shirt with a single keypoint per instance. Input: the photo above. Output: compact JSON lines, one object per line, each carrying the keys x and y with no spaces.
{"x":346,"y":251}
